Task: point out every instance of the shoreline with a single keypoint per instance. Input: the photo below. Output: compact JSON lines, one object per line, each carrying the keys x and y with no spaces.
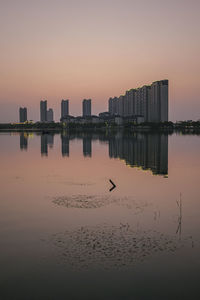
{"x":103,"y":129}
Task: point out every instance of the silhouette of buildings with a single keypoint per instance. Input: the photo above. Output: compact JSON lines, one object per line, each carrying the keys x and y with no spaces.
{"x":158,"y":104}
{"x":64,"y":108}
{"x":43,"y":111}
{"x":87,"y":146}
{"x":22,"y":114}
{"x":150,"y":102}
{"x":50,"y":115}
{"x":45,"y":115}
{"x":86,"y":106}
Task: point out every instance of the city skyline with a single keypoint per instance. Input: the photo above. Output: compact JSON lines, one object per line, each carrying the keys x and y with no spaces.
{"x":80,"y":50}
{"x":100,"y":139}
{"x":148,"y":103}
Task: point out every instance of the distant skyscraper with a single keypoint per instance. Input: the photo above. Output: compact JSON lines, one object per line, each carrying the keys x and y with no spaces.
{"x":113,"y":106}
{"x":86,"y":107}
{"x":50,"y":115}
{"x":64,"y":108}
{"x":43,"y":111}
{"x":22,"y":114}
{"x":158,"y":105}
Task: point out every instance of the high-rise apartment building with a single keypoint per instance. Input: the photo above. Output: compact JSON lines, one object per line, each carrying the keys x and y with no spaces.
{"x":64,"y":108}
{"x":86,"y":106}
{"x":43,"y":111}
{"x":112,"y":106}
{"x":50,"y":115}
{"x":22,"y":114}
{"x":158,"y":104}
{"x":149,"y":101}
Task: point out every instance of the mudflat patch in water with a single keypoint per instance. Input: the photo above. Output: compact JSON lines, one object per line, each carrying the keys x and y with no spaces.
{"x":96,"y":201}
{"x":109,"y":247}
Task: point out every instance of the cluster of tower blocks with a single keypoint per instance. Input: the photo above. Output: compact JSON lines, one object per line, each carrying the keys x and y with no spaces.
{"x":46,"y":115}
{"x":149,"y":102}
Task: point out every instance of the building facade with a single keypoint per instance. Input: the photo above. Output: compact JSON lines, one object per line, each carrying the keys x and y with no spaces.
{"x":86,"y":107}
{"x":64,"y":108}
{"x":43,"y":111}
{"x":22,"y":114}
{"x":158,"y":105}
{"x":149,"y":102}
{"x":50,"y":115}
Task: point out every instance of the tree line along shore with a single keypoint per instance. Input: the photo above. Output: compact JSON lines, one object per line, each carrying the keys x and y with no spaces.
{"x":190,"y":126}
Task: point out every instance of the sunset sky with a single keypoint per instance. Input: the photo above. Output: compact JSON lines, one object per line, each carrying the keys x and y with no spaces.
{"x":64,"y":49}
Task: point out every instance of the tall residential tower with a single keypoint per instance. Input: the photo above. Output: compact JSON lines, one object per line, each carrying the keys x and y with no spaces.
{"x":64,"y":108}
{"x":22,"y":114}
{"x":158,"y":104}
{"x":43,"y":111}
{"x":86,"y":106}
{"x":50,"y":115}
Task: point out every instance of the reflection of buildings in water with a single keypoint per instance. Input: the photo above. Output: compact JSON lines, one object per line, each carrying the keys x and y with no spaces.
{"x":87,"y":146}
{"x":23,"y":141}
{"x":148,"y":151}
{"x":50,"y":140}
{"x":65,"y":145}
{"x":143,"y":150}
{"x":46,"y":139}
{"x":44,"y":147}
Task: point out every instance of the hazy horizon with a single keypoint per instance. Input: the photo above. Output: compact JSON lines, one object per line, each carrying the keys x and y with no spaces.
{"x":97,"y":49}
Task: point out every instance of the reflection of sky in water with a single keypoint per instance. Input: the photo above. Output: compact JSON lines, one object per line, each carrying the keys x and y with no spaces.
{"x":57,"y":213}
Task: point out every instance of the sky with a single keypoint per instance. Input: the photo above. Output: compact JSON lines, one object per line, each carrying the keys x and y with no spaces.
{"x":63,"y":49}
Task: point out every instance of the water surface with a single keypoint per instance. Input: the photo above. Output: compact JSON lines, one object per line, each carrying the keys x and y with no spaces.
{"x":66,"y":235}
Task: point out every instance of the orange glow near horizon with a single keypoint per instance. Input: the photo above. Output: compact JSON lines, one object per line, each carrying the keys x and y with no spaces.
{"x":91,"y":49}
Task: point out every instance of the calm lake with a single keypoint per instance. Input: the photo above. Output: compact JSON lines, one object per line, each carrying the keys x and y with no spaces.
{"x":67,"y":232}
